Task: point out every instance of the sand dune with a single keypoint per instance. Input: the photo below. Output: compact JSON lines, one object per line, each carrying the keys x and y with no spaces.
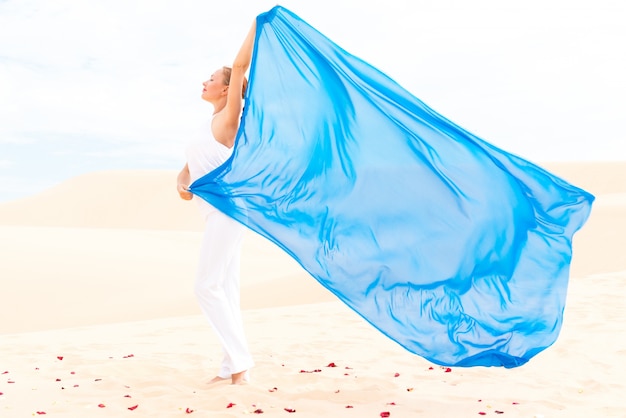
{"x":136,"y":199}
{"x":98,"y":316}
{"x":146,"y":199}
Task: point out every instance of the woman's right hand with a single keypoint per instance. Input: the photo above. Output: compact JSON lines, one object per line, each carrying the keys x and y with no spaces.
{"x":182,"y":182}
{"x":183,"y":192}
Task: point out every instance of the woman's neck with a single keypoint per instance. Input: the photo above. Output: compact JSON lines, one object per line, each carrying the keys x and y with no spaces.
{"x":218,"y":106}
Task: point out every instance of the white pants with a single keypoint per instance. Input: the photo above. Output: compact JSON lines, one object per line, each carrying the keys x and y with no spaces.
{"x":217,"y":289}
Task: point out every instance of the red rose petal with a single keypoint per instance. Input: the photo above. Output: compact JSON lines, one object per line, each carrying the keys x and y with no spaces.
{"x":385,"y":414}
{"x":57,"y":380}
{"x":127,"y":396}
{"x":348,"y":368}
{"x":75,"y":386}
{"x":129,"y":356}
{"x":499,"y":412}
{"x":409,"y":389}
{"x":273,"y":389}
{"x":5,"y":372}
{"x":1,"y":393}
{"x":101,"y":405}
{"x":396,"y":375}
{"x":41,"y":413}
{"x":60,"y":357}
{"x":230,"y":405}
{"x":72,"y":372}
{"x":331,"y":365}
{"x":10,"y":381}
{"x":188,"y":411}
{"x":515,"y":403}
{"x":448,"y":370}
{"x":349,"y":406}
{"x":482,"y":413}
{"x":391,"y":403}
{"x":431,"y":368}
{"x":132,"y":408}
{"x":258,"y":411}
{"x":290,"y":410}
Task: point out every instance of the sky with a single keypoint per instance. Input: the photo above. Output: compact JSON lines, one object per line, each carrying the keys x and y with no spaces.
{"x":115,"y":84}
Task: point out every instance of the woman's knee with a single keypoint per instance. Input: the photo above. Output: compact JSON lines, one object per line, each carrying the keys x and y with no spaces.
{"x":208,"y":288}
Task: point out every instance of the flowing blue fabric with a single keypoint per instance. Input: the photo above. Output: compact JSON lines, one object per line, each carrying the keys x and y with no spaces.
{"x":453,"y":248}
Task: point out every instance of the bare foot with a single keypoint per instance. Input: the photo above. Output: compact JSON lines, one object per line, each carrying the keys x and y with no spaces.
{"x":238,"y":378}
{"x":216,"y":379}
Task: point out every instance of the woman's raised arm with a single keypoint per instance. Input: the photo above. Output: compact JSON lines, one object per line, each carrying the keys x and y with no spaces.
{"x":230,"y":115}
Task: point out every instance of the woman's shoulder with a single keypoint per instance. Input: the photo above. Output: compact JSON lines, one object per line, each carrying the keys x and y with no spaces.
{"x":222,"y":130}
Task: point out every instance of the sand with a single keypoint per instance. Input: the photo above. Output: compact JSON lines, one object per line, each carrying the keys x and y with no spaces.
{"x":98,"y":316}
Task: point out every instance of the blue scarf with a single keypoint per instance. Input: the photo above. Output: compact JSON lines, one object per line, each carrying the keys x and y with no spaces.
{"x":453,"y":248}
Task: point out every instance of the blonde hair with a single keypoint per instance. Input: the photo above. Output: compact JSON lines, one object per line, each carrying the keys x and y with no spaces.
{"x":227,"y":71}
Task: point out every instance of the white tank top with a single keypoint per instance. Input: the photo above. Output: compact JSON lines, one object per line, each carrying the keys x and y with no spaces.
{"x":204,"y":155}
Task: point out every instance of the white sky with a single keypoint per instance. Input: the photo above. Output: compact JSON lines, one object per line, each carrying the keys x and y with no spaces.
{"x":107,"y":84}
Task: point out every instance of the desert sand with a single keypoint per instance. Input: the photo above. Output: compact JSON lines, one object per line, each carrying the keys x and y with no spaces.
{"x":98,"y":319}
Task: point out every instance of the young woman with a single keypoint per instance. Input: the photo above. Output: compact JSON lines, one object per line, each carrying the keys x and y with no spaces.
{"x":217,"y":281}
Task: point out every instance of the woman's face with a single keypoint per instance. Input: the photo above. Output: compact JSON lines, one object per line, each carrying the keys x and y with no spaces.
{"x":214,"y":87}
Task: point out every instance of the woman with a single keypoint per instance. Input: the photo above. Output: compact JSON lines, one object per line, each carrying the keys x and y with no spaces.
{"x":217,"y":282}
